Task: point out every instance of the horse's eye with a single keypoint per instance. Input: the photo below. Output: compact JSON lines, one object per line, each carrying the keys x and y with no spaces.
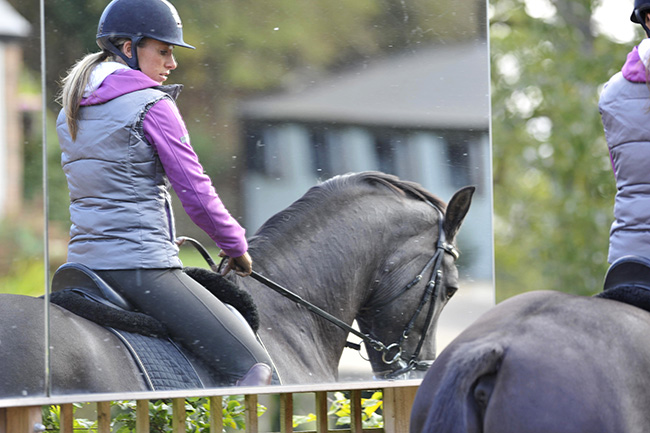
{"x":451,"y":291}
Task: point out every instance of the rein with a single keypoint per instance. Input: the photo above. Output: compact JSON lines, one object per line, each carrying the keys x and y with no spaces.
{"x":430,"y":293}
{"x":375,"y":344}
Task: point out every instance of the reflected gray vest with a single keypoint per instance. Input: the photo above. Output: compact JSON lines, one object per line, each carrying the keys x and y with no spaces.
{"x":120,"y":205}
{"x":624,"y":107}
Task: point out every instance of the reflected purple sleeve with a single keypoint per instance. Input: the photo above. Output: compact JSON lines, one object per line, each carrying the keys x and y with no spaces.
{"x":166,"y":131}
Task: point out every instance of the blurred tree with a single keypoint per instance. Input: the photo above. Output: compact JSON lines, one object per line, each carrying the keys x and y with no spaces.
{"x":554,"y":188}
{"x":246,"y":47}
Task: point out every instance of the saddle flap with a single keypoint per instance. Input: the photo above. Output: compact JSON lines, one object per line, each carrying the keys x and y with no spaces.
{"x":80,"y":277}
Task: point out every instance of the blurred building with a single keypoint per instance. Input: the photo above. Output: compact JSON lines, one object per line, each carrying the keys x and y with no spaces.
{"x":423,"y":115}
{"x":13,"y":30}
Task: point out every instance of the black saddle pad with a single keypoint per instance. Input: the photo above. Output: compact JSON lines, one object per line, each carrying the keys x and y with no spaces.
{"x":162,"y":363}
{"x":629,"y":294}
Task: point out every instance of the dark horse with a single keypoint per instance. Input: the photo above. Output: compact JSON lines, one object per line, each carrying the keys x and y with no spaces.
{"x":542,"y":362}
{"x":350,"y":246}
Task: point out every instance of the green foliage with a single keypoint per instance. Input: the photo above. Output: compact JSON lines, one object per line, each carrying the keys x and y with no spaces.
{"x":341,"y":409}
{"x":553,"y":186}
{"x":52,"y":419}
{"x":26,"y":277}
{"x":160,"y":416}
{"x":21,"y":255}
{"x":123,"y":419}
{"x":244,"y":48}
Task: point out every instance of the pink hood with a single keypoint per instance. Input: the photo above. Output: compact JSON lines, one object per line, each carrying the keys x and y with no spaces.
{"x":109,"y":82}
{"x":634,"y":70}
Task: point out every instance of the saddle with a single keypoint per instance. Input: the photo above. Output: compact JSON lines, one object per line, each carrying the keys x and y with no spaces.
{"x":628,"y":281}
{"x":162,"y":363}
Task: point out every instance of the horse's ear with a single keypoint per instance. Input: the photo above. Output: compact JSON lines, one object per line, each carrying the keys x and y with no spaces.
{"x":457,"y":210}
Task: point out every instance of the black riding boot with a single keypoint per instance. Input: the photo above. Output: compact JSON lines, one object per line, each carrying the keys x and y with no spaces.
{"x":259,"y":374}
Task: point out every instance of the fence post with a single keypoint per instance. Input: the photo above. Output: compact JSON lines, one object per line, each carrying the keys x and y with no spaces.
{"x":66,"y":420}
{"x":216,"y":414}
{"x":178,"y":415}
{"x":20,"y":419}
{"x":142,"y":416}
{"x":286,"y":412}
{"x":252,"y":423}
{"x":322,"y":419}
{"x":104,"y":417}
{"x":356,"y":415}
{"x":397,"y":408}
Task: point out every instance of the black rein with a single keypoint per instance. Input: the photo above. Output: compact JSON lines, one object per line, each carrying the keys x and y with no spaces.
{"x":377,"y":345}
{"x":442,"y":246}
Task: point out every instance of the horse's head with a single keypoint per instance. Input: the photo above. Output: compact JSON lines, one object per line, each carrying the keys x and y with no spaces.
{"x":353,"y":246}
{"x":411,"y":289}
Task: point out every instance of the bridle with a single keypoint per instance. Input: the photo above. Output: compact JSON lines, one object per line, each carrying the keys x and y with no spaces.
{"x":393,"y":352}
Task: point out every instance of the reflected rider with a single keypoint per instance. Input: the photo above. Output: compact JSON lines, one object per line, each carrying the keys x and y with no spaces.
{"x":123,"y":143}
{"x":625,"y":109}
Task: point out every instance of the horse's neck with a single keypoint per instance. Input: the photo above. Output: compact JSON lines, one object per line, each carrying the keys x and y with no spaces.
{"x":291,"y":332}
{"x":324,"y":274}
{"x":335,"y":261}
{"x":300,"y":343}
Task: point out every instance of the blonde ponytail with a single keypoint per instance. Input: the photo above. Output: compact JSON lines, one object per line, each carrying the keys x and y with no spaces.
{"x":74,"y":85}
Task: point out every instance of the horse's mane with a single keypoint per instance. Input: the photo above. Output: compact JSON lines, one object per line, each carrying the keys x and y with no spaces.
{"x":393,"y":183}
{"x":341,"y":185}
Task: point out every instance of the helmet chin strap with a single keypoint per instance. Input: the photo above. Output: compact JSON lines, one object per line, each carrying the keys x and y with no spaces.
{"x":131,"y":62}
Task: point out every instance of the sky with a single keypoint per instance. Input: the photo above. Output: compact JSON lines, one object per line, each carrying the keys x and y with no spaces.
{"x":612,"y":17}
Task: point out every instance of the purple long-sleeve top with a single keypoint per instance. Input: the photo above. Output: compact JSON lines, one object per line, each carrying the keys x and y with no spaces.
{"x":165,"y":130}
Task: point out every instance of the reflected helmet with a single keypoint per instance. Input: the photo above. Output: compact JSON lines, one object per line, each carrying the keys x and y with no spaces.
{"x":136,"y":20}
{"x":640,"y":6}
{"x":638,"y":14}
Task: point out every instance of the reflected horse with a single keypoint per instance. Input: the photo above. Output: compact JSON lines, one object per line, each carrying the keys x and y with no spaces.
{"x":351,"y":246}
{"x":542,"y":362}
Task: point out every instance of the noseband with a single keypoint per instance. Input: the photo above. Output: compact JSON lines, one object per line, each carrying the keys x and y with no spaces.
{"x":394,"y":352}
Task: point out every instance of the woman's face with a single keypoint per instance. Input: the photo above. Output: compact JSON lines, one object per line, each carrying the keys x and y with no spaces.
{"x":155,"y":58}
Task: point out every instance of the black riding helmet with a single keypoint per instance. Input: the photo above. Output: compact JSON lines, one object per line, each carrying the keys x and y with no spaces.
{"x":638,"y":14}
{"x":138,"y":19}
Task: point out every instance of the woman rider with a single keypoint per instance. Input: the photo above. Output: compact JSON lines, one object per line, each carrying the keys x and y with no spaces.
{"x":625,"y":110}
{"x":123,"y":143}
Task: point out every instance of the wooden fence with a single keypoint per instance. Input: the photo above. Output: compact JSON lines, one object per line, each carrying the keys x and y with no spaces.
{"x":24,"y":415}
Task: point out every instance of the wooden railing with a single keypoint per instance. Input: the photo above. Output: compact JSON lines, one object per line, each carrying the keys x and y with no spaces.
{"x":24,"y":415}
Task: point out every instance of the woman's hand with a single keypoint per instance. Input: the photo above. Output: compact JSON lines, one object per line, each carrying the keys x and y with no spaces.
{"x":242,"y":265}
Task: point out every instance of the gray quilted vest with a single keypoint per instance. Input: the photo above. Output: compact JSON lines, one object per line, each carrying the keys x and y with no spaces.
{"x":120,"y":206}
{"x":625,"y":110}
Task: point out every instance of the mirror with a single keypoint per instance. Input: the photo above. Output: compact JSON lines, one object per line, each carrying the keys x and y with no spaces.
{"x":280,"y":97}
